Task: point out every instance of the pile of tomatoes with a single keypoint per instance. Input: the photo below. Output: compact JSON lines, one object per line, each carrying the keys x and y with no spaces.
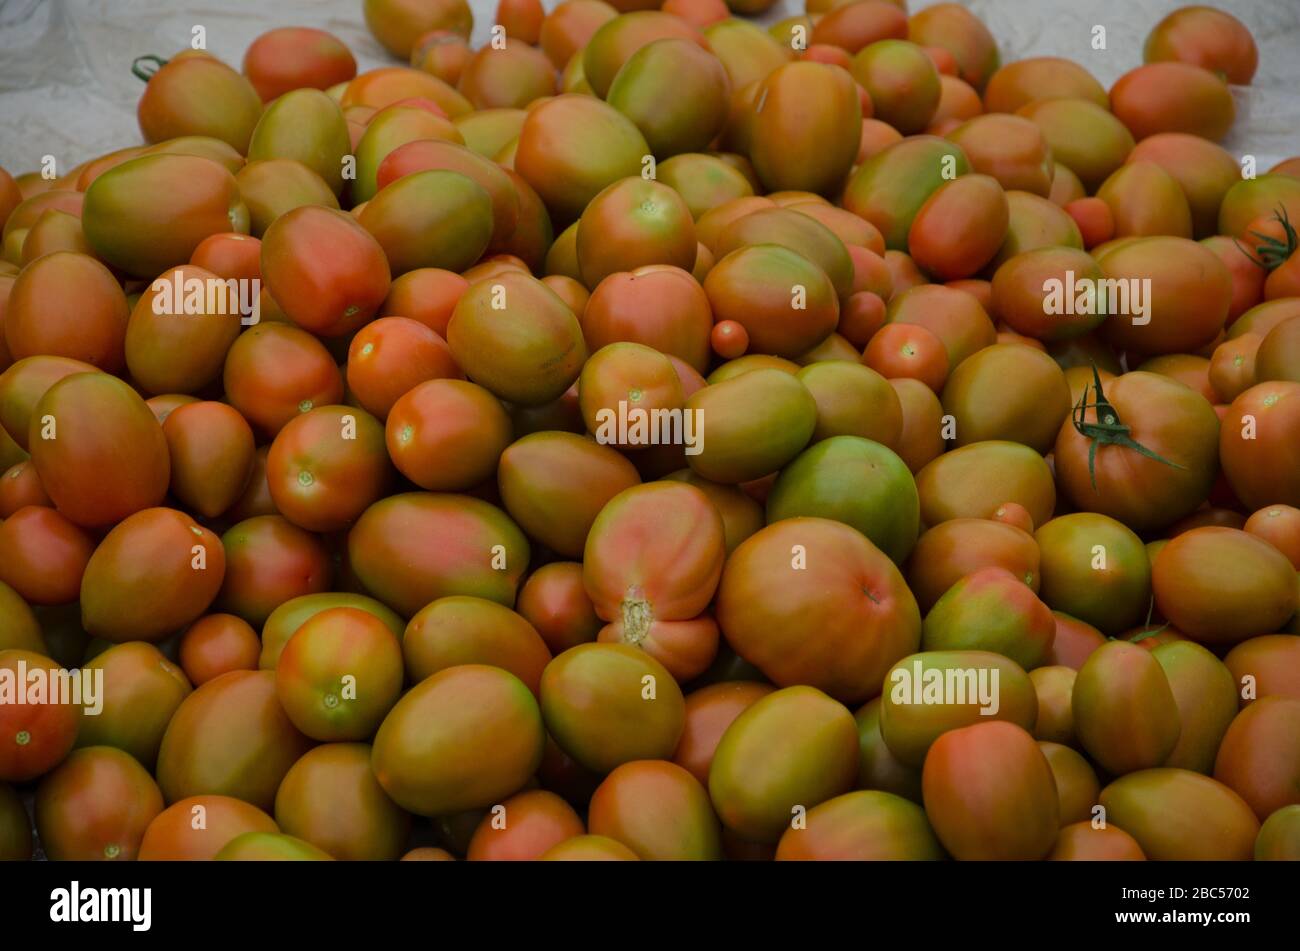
{"x":655,"y":436}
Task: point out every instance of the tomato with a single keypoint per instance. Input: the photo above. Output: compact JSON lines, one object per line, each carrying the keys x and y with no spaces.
{"x":991,"y":610}
{"x":339,"y":674}
{"x":290,"y":58}
{"x":627,"y":379}
{"x":658,"y":810}
{"x":800,"y":230}
{"x":959,"y":227}
{"x":20,"y":487}
{"x":330,"y":798}
{"x":651,"y":565}
{"x":445,"y":204}
{"x":285,"y":620}
{"x":151,"y":575}
{"x":755,"y":423}
{"x":1264,"y":666}
{"x":571,"y":147}
{"x":1082,"y":135}
{"x":37,"y":734}
{"x":198,"y":827}
{"x":852,"y":400}
{"x":466,"y":630}
{"x":307,"y":126}
{"x":1145,"y":456}
{"x":972,"y":481}
{"x":889,"y":188}
{"x":324,"y":269}
{"x":69,"y":305}
{"x":855,"y":481}
{"x":1125,"y":713}
{"x":958,"y":547}
{"x":921,"y":439}
{"x":1257,"y":442}
{"x":554,"y":601}
{"x":412,"y":548}
{"x":270,"y":847}
{"x":444,"y":769}
{"x":1076,"y":781}
{"x":141,"y":691}
{"x":1177,"y":815}
{"x":99,"y":451}
{"x":198,"y":95}
{"x":847,"y":591}
{"x":1144,"y":200}
{"x":327,"y":466}
{"x":1007,"y":392}
{"x":793,"y":748}
{"x":96,"y":806}
{"x":386,"y":132}
{"x":1011,"y":149}
{"x":524,"y":827}
{"x":216,"y":644}
{"x":589,"y":848}
{"x":274,"y":372}
{"x":396,"y":24}
{"x":1094,"y":219}
{"x":269,"y":560}
{"x":1082,"y":842}
{"x":1039,"y":78}
{"x":210,"y":446}
{"x":568,"y":27}
{"x":515,"y":337}
{"x":151,"y":212}
{"x":555,"y":484}
{"x":274,"y":187}
{"x":1205,"y":37}
{"x":229,"y":737}
{"x":1221,"y":585}
{"x":1094,"y":569}
{"x":640,"y":704}
{"x":43,"y":555}
{"x":677,"y":94}
{"x":19,"y":627}
{"x":1278,"y":357}
{"x":1279,"y":836}
{"x":862,"y":826}
{"x":1207,"y":702}
{"x":1173,"y":97}
{"x":990,"y":793}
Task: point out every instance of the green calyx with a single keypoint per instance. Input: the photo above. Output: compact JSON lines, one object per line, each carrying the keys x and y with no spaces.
{"x":1107,"y":429}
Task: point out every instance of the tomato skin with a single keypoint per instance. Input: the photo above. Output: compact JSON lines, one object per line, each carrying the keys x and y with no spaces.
{"x":657,"y":809}
{"x":1205,"y":37}
{"x":324,"y":269}
{"x":1178,"y":815}
{"x":229,"y":737}
{"x":1207,"y":702}
{"x":109,"y":458}
{"x":889,"y":187}
{"x":34,"y":737}
{"x":1259,"y":444}
{"x":973,"y":481}
{"x":958,"y":547}
{"x":274,"y":372}
{"x":795,"y":746}
{"x":990,"y":793}
{"x":69,"y":305}
{"x":1270,"y":661}
{"x":211,"y":448}
{"x":150,"y":213}
{"x":959,"y":228}
{"x":43,"y":555}
{"x":467,"y":630}
{"x":330,"y":798}
{"x":216,"y":644}
{"x":1251,"y":591}
{"x":1038,"y":78}
{"x":1167,"y":418}
{"x":327,"y":466}
{"x":852,"y":594}
{"x":1111,"y":594}
{"x":1125,"y":713}
{"x":990,"y":395}
{"x":96,"y":806}
{"x":1081,"y":842}
{"x":413,"y":548}
{"x":611,"y":679}
{"x":1173,"y":97}
{"x":269,"y":561}
{"x":991,"y":610}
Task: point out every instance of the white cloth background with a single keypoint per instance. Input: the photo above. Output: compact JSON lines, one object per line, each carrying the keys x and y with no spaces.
{"x":66,"y":87}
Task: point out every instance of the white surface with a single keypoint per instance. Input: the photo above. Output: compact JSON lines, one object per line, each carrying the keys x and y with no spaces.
{"x":66,"y":87}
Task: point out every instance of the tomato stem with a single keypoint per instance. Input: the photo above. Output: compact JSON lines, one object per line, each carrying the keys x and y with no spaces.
{"x":140,"y":63}
{"x":1107,"y":429}
{"x":1273,"y":252}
